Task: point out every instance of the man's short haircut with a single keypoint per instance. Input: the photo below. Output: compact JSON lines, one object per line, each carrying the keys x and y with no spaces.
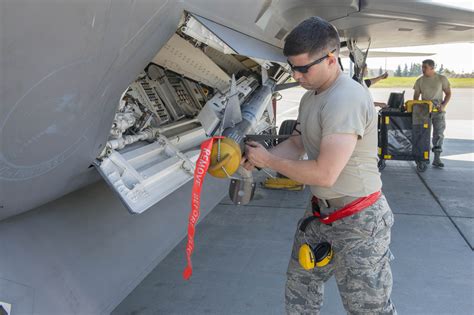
{"x":429,"y":62}
{"x":312,"y":36}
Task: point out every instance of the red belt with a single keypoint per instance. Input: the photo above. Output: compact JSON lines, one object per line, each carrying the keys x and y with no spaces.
{"x":352,"y":208}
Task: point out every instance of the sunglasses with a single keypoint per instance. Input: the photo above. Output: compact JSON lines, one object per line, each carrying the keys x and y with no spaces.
{"x":305,"y":69}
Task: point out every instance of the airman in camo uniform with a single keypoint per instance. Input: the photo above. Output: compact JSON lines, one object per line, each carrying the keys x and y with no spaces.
{"x":337,"y":129}
{"x":431,"y":86}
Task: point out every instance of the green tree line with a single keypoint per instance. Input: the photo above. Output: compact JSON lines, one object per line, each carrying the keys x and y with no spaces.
{"x":414,"y":70}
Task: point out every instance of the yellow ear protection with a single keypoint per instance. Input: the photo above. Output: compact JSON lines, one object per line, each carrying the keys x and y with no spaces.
{"x":310,"y":257}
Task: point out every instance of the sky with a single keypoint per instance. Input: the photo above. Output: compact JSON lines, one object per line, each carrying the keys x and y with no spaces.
{"x":463,"y":4}
{"x":456,"y":57}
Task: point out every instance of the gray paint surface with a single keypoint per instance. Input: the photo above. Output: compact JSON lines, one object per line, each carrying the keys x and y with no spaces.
{"x":84,"y":252}
{"x":62,"y":74}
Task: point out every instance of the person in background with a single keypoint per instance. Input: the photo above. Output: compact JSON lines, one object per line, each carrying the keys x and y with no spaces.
{"x":369,"y":82}
{"x":431,"y":86}
{"x":372,"y":81}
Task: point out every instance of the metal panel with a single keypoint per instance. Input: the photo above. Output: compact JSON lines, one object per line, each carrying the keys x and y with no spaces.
{"x":181,"y":57}
{"x":244,"y":44}
{"x":227,"y":62}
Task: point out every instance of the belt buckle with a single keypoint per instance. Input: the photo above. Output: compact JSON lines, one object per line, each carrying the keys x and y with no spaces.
{"x":324,"y":215}
{"x":326,"y":203}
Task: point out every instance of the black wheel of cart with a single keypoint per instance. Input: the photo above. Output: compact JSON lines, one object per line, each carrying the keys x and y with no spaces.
{"x":381,"y":165}
{"x":421,"y":166}
{"x":286,"y":128}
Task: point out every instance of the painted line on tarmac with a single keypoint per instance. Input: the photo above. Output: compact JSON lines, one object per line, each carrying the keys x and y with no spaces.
{"x":444,"y":210}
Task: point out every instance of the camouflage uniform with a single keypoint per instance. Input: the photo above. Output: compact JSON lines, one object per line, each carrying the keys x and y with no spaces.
{"x":439,"y":125}
{"x":360,"y":263}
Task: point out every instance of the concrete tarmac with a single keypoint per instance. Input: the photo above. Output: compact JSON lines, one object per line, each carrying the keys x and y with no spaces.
{"x":242,"y":253}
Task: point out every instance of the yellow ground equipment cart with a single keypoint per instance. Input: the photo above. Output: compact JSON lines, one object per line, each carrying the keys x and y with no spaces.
{"x":404,"y":134}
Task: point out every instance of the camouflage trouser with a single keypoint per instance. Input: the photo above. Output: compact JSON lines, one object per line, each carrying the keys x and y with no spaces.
{"x":360,"y":264}
{"x":439,"y":125}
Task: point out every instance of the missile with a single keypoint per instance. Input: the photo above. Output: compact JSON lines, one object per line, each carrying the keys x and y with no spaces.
{"x":227,"y":153}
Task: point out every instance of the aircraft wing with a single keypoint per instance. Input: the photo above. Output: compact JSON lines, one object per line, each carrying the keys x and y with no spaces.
{"x":407,"y":23}
{"x":386,"y":54}
{"x":387,"y":23}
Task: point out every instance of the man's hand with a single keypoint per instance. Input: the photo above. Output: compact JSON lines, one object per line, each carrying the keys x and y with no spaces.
{"x":442,"y":106}
{"x":246,"y":164}
{"x":336,"y":150}
{"x":256,"y":154}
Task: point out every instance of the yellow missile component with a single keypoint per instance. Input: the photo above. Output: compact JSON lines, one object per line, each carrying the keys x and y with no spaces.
{"x":229,"y":159}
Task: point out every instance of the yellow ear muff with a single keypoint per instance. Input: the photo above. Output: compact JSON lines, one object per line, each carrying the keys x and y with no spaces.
{"x":323,"y":253}
{"x":230,"y":156}
{"x":319,"y":256}
{"x":306,"y":257}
